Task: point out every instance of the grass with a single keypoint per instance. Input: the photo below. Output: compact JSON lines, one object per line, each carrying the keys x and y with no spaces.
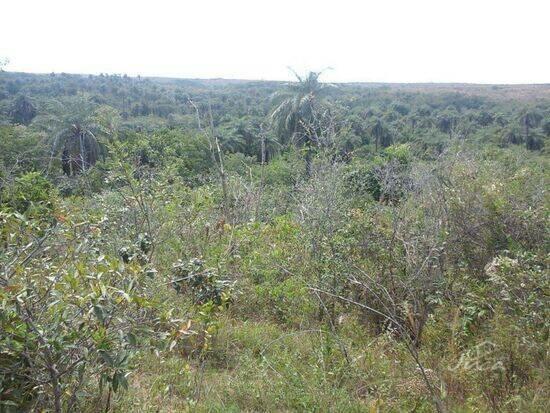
{"x":259,"y":366}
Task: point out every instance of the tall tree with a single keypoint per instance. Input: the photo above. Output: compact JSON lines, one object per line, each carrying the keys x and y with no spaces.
{"x":447,"y":121}
{"x":295,"y":117}
{"x":512,"y":135}
{"x":75,"y":135}
{"x":530,"y":119}
{"x":80,"y":149}
{"x":380,"y":132}
{"x":22,"y":111}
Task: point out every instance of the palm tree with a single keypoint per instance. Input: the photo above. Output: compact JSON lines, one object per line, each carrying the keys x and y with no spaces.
{"x":74,"y":135}
{"x":381,"y":134}
{"x":511,"y":136}
{"x":447,"y":121}
{"x":530,"y":119}
{"x":23,"y":111}
{"x":247,"y":135}
{"x":295,"y":116}
{"x":235,"y":136}
{"x":80,"y":149}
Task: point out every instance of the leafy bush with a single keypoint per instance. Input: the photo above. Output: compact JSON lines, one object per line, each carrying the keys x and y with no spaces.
{"x":203,"y":283}
{"x":70,"y":319}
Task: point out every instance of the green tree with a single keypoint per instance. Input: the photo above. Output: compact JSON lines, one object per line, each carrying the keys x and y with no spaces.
{"x":530,"y":119}
{"x":380,"y":133}
{"x":447,"y":121}
{"x":76,"y":132}
{"x":295,"y":116}
{"x":512,"y":135}
{"x":23,"y":111}
{"x":80,"y":149}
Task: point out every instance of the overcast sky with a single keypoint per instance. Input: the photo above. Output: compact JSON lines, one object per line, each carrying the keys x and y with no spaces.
{"x":477,"y":41}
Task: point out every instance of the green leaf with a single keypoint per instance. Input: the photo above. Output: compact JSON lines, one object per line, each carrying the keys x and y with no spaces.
{"x":107,"y":358}
{"x":99,"y":313}
{"x":132,"y":339}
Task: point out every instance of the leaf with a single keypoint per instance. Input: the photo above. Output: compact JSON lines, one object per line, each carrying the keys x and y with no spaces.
{"x":114,"y":382}
{"x":99,"y":313}
{"x":119,"y":379}
{"x":125,"y":295}
{"x":122,"y":358}
{"x":107,"y":358}
{"x":132,"y":339}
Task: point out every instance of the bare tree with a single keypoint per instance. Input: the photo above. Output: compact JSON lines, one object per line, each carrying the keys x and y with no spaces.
{"x":215,"y":152}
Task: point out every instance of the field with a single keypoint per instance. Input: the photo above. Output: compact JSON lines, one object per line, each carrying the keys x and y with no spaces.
{"x":174,"y":245}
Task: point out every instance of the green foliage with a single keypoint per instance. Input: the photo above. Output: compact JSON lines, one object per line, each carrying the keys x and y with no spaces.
{"x":67,"y":323}
{"x":401,"y":153}
{"x":520,"y":287}
{"x":30,"y":194}
{"x":204,"y":284}
{"x":406,"y":270}
{"x":288,"y":301}
{"x":23,"y":111}
{"x":21,"y":150}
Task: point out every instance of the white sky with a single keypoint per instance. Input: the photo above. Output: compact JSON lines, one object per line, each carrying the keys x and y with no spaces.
{"x":481,"y":41}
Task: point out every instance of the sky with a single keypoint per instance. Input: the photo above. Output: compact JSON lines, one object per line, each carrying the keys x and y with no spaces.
{"x":481,"y":41}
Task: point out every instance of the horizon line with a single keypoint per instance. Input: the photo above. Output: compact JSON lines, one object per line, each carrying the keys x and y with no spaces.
{"x":350,"y":82}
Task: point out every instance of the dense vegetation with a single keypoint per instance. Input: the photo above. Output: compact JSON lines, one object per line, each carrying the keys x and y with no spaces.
{"x":171,"y":245}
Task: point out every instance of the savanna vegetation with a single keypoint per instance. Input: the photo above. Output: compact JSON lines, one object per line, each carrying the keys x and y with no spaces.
{"x":186,"y":245}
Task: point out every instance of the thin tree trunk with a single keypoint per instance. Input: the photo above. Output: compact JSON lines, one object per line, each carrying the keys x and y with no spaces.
{"x":108,"y":404}
{"x":262,"y":167}
{"x":56,"y":389}
{"x":221,"y":169}
{"x":214,"y":147}
{"x":308,"y":161}
{"x":81,"y":142}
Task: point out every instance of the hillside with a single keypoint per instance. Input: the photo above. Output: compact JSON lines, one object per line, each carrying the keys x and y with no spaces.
{"x":238,"y":245}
